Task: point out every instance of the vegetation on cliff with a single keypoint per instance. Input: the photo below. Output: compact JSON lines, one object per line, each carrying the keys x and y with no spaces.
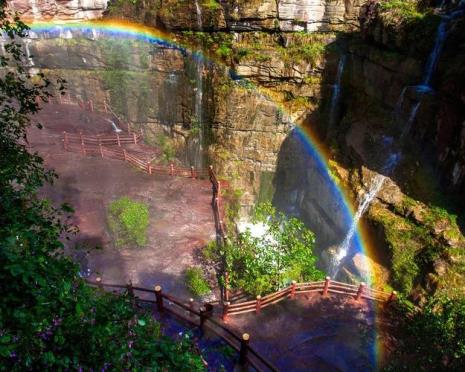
{"x":264,"y":262}
{"x":49,"y":318}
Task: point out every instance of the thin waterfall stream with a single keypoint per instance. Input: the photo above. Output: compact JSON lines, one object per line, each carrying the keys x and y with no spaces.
{"x":198,"y":110}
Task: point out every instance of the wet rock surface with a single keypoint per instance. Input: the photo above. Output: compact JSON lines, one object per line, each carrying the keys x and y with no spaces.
{"x":181,"y":218}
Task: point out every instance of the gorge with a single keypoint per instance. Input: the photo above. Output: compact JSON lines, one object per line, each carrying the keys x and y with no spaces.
{"x":349,"y":116}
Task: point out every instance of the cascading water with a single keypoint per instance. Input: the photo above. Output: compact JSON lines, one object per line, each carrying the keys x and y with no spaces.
{"x":28,"y":52}
{"x":198,"y":120}
{"x":336,"y":92}
{"x":344,"y":248}
{"x":114,"y":126}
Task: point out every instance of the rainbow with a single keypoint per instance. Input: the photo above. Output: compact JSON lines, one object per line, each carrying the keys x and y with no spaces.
{"x":130,"y":30}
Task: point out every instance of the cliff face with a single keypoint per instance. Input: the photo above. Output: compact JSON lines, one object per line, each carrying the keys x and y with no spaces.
{"x":46,"y":10}
{"x":382,"y":114}
{"x":240,"y":15}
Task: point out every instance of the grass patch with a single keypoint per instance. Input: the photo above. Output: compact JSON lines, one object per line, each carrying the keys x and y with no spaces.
{"x":195,"y":282}
{"x":128,"y":221}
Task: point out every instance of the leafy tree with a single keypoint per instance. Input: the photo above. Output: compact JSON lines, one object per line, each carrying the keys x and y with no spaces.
{"x":266,"y":262}
{"x":49,"y":318}
{"x":431,"y":338}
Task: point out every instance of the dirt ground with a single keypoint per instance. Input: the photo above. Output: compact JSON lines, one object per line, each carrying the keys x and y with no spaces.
{"x":181,"y":218}
{"x":313,"y":333}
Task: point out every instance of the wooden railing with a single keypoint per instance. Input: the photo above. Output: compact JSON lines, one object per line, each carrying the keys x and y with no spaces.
{"x":216,"y":204}
{"x":99,"y":145}
{"x":325,"y":287}
{"x":201,"y":316}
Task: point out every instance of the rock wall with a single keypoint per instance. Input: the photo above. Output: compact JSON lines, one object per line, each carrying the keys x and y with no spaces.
{"x":46,"y":10}
{"x":240,"y":15}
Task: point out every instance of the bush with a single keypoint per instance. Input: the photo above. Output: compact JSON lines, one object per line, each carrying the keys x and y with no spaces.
{"x":263,"y":264}
{"x":431,"y":338}
{"x":195,"y":282}
{"x":128,"y":220}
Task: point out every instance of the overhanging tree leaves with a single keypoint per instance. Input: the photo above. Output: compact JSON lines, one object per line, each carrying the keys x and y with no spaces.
{"x":49,"y":318}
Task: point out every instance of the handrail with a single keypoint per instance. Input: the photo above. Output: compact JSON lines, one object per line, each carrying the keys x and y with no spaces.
{"x":325,"y":287}
{"x":189,"y":309}
{"x":98,"y":144}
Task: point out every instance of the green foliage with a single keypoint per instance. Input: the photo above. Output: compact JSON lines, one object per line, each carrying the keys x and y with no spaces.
{"x":266,"y":263}
{"x":128,"y":220}
{"x":167,"y":148}
{"x":406,"y":9}
{"x":50,"y":320}
{"x":195,"y":282}
{"x":431,"y":338}
{"x":212,"y":4}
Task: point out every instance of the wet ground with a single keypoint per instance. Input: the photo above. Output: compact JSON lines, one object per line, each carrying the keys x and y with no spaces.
{"x":181,"y":218}
{"x":312,"y":333}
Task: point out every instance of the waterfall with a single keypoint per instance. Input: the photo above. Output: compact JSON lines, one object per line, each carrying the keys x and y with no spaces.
{"x":395,"y":154}
{"x":34,"y":10}
{"x":28,"y":52}
{"x":336,"y":93}
{"x":198,"y":161}
{"x":343,"y":249}
{"x":198,"y":10}
{"x":114,"y":126}
{"x":436,"y":52}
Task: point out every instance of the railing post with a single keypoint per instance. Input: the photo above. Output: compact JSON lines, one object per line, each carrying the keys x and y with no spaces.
{"x":129,"y":127}
{"x":192,"y":172}
{"x":159,"y":298}
{"x":191,"y":306}
{"x":117,"y":138}
{"x":392,"y":297}
{"x":293,"y":286}
{"x":100,"y":148}
{"x":244,"y":349}
{"x":171,"y":169}
{"x":326,"y":286}
{"x":83,"y":148}
{"x":149,"y":168}
{"x":225,"y":311}
{"x":203,"y":316}
{"x":125,"y":155}
{"x":91,"y":106}
{"x":258,"y":304}
{"x":360,"y":291}
{"x":99,"y":282}
{"x":226,"y":286}
{"x":135,"y":138}
{"x":105,"y":106}
{"x":65,"y":141}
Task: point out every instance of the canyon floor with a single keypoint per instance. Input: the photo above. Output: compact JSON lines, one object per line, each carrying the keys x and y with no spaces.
{"x":181,"y":217}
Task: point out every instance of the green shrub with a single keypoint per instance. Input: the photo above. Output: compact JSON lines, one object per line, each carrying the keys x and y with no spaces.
{"x":128,"y":220}
{"x":211,"y":4}
{"x":261,"y":265}
{"x":195,"y":282}
{"x":167,"y":148}
{"x":431,"y":338}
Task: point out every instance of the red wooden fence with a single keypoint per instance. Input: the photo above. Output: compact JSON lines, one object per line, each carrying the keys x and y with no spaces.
{"x":325,"y":287}
{"x":100,"y":145}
